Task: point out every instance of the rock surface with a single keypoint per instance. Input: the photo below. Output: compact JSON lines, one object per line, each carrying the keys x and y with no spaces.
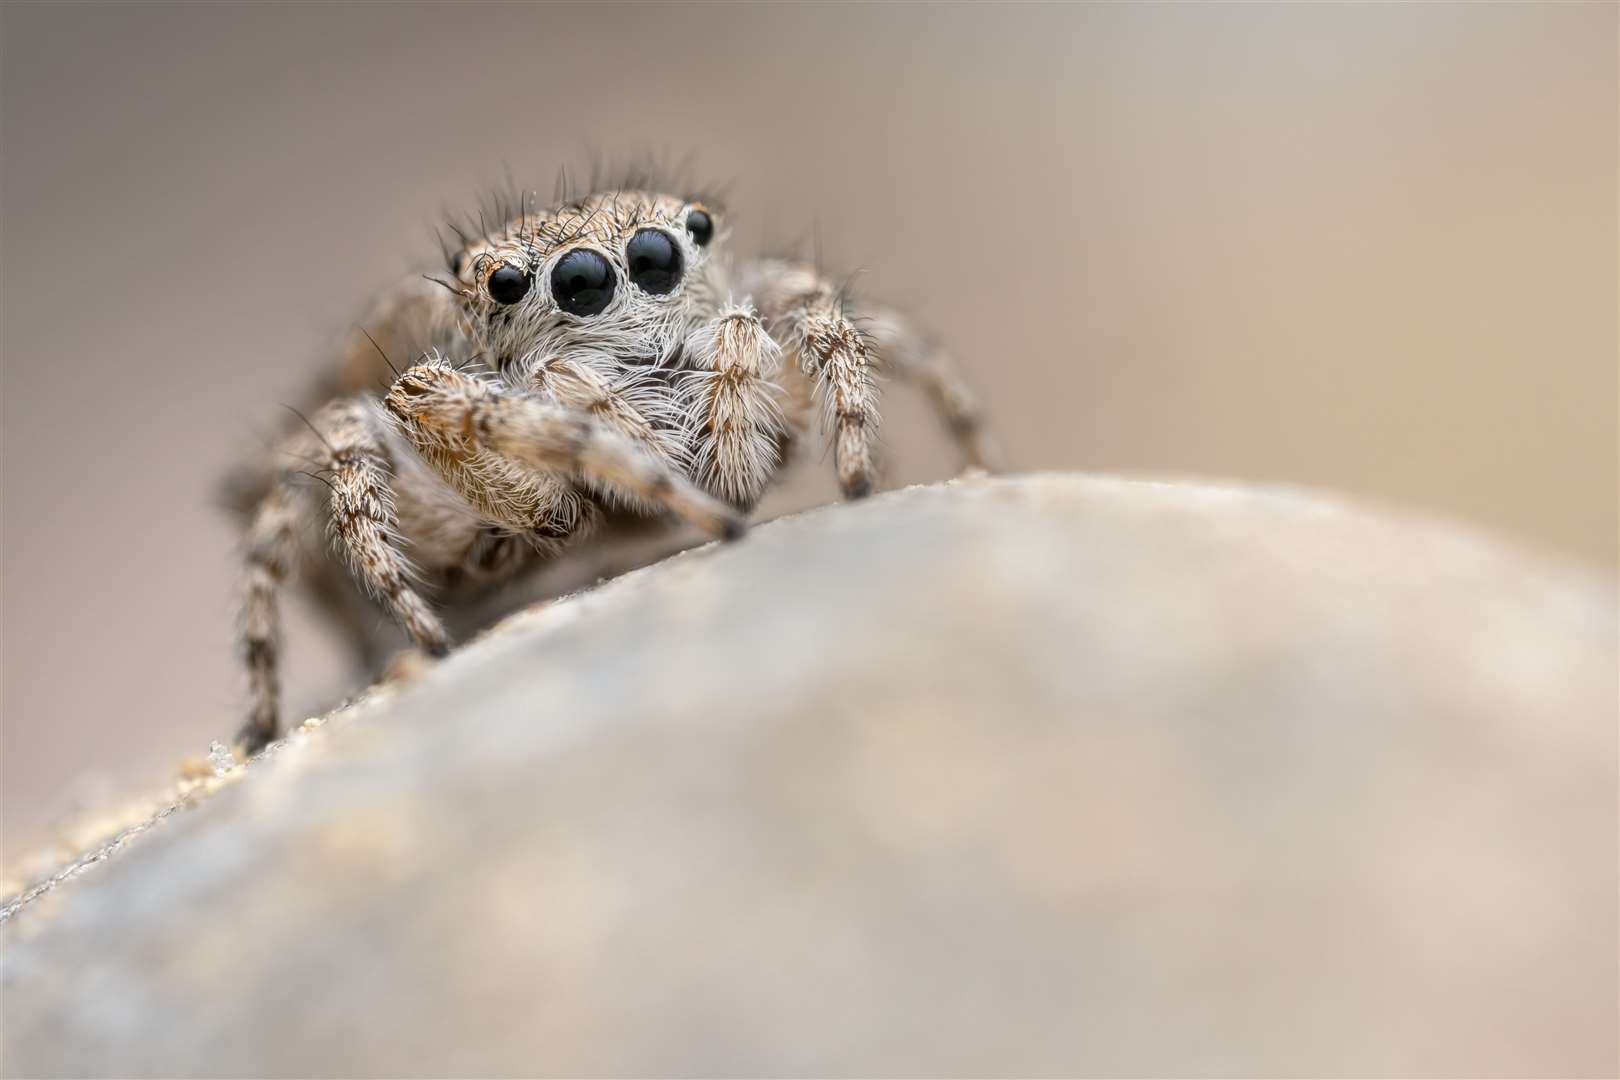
{"x":1030,"y":776}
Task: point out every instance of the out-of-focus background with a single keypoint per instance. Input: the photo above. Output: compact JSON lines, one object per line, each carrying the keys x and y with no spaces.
{"x":1367,"y":248}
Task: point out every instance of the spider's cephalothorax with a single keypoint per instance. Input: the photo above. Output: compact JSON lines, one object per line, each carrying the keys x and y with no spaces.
{"x":604,"y":355}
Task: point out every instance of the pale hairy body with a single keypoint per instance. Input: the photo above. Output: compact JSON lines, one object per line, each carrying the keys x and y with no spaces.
{"x":597,"y":359}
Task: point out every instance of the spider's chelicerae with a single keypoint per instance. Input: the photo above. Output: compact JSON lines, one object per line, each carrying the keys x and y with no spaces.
{"x":601,"y":359}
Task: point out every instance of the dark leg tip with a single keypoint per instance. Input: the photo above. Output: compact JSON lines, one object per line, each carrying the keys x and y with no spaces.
{"x":253,"y":738}
{"x":438,"y":649}
{"x":858,"y":488}
{"x":733,"y":528}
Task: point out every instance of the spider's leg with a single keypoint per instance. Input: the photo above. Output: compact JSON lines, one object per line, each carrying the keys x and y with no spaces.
{"x":452,"y":417}
{"x":901,"y":351}
{"x":354,"y":467}
{"x":270,"y":549}
{"x":806,"y":314}
{"x":364,"y":524}
{"x":732,"y":406}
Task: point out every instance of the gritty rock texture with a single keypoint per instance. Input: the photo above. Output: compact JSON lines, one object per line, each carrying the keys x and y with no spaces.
{"x":1030,"y":776}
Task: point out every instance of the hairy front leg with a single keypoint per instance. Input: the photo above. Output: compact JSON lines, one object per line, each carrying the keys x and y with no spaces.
{"x":732,"y":405}
{"x":806,"y":314}
{"x":365,"y":524}
{"x":355,"y":469}
{"x":453,"y":418}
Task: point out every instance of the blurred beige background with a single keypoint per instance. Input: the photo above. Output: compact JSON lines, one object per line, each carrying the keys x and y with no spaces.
{"x":1366,"y":248}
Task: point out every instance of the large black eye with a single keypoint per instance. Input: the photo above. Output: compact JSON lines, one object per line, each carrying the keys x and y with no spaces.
{"x":582,"y":283}
{"x":655,"y":261}
{"x":508,"y":285}
{"x":701,"y":226}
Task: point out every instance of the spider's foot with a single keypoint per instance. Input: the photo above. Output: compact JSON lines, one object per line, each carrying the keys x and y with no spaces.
{"x":858,"y":487}
{"x":254,"y":736}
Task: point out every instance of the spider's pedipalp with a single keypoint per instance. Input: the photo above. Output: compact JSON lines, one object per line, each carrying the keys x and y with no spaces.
{"x":441,"y":409}
{"x":733,"y":404}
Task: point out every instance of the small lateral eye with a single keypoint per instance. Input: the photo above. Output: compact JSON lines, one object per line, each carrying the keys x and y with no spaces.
{"x":655,"y":261}
{"x":508,"y":285}
{"x":701,"y":226}
{"x":582,"y":282}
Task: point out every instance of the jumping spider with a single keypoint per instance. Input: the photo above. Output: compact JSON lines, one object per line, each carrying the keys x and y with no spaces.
{"x":601,"y":358}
